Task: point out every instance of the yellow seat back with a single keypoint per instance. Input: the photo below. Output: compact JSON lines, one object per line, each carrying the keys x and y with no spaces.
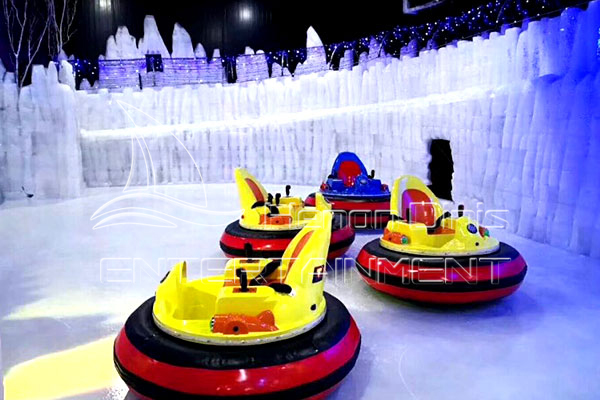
{"x":411,"y":184}
{"x":249,"y":189}
{"x":306,"y":255}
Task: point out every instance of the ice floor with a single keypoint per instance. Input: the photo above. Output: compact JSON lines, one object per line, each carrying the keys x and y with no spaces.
{"x":66,"y":289}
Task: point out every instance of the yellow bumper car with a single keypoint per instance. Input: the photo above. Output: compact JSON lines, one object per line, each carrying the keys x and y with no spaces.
{"x":264,"y":328}
{"x":269,"y":223}
{"x":426,"y":254}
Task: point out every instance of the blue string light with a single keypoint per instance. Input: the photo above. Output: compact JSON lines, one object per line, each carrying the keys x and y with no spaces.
{"x":495,"y":15}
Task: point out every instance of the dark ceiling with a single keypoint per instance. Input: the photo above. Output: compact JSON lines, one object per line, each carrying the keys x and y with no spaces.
{"x":233,"y":24}
{"x":261,"y":24}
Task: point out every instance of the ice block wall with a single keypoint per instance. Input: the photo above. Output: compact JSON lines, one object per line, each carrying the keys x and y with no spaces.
{"x":521,"y":111}
{"x":39,"y":137}
{"x":124,"y":65}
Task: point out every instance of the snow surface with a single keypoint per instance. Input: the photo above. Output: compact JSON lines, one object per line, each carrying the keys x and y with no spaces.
{"x":540,"y":343}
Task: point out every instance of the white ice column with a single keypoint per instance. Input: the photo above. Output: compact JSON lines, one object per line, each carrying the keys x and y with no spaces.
{"x":509,"y":55}
{"x":575,"y":153}
{"x":568,"y":28}
{"x":549,"y":64}
{"x":15,"y":145}
{"x":513,"y":194}
{"x":48,"y":119}
{"x":587,"y":237}
{"x":532,"y":59}
{"x":66,"y":75}
{"x":583,"y":238}
{"x":584,"y":58}
{"x":347,"y":61}
{"x":499,"y":100}
{"x":533,"y":143}
{"x":560,"y":115}
{"x":502,"y":180}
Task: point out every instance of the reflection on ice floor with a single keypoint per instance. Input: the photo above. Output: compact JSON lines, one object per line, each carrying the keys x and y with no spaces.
{"x":66,"y":289}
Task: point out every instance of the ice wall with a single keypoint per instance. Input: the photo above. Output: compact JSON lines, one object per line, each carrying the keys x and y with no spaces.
{"x":251,"y":66}
{"x":124,"y":64}
{"x":13,"y":144}
{"x":40,"y":138}
{"x":316,"y":59}
{"x":520,"y":110}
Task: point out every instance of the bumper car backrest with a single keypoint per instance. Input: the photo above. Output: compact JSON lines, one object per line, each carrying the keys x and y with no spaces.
{"x":249,"y":188}
{"x":411,"y":195}
{"x":307,"y":251}
{"x":420,"y":206}
{"x":347,"y":166}
{"x":348,"y":171}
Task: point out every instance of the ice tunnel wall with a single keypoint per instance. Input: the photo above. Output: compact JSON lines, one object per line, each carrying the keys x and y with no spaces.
{"x":521,"y":110}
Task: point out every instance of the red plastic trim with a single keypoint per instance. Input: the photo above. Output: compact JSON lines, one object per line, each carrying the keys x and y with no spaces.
{"x":254,"y":381}
{"x":441,"y":297}
{"x":238,"y":242}
{"x":475,"y":274}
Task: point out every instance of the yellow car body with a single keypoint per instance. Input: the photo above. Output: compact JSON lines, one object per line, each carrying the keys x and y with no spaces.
{"x":291,"y":213}
{"x":280,"y":304}
{"x":413,"y":229}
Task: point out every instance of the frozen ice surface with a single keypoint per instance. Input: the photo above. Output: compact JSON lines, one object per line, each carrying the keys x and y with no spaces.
{"x":57,"y":291}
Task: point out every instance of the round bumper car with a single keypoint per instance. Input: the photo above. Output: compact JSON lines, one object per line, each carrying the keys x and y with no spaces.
{"x":265,"y":329}
{"x":269,"y":223}
{"x":349,"y":188}
{"x":427,"y":255}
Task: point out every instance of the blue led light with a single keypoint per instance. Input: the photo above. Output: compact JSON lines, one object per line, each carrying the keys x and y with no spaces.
{"x":494,"y":15}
